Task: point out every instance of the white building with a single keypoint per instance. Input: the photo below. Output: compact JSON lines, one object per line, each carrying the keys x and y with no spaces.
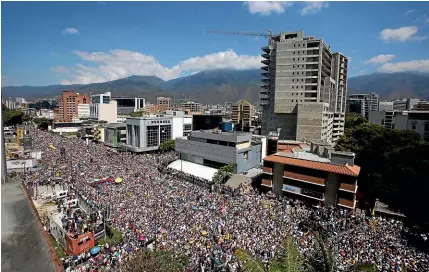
{"x":104,"y":112}
{"x":147,"y":133}
{"x":83,"y":110}
{"x":46,"y":113}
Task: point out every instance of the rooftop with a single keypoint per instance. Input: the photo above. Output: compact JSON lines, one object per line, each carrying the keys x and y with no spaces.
{"x":305,"y":161}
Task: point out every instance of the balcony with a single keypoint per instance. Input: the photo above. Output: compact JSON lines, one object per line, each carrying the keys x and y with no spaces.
{"x":347,"y":203}
{"x":265,"y":84}
{"x":264,"y":102}
{"x":304,"y":178}
{"x":266,"y":56}
{"x":266,"y":62}
{"x":267,"y":183}
{"x":265,"y":68}
{"x":265,"y":74}
{"x":268,"y":170}
{"x":348,"y":187}
{"x":266,"y":49}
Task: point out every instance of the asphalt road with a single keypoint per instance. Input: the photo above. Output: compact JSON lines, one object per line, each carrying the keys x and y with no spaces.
{"x":23,"y":247}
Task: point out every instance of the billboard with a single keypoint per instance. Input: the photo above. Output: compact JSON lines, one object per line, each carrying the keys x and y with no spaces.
{"x":290,"y":188}
{"x":203,"y":122}
{"x":18,"y":164}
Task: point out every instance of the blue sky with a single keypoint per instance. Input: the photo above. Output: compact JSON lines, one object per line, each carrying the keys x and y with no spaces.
{"x":47,"y":43}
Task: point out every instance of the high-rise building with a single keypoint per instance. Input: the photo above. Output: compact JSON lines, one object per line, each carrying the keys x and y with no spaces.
{"x":303,"y":87}
{"x":368,"y":102}
{"x":68,"y":105}
{"x":191,"y":106}
{"x":242,"y":112}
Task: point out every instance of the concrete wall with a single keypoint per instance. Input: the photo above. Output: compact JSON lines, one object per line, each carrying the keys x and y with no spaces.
{"x":332,"y":183}
{"x":309,"y":122}
{"x":227,"y":137}
{"x":278,"y":172}
{"x":253,"y":158}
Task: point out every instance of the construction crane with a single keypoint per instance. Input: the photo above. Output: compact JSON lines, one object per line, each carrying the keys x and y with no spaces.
{"x":269,"y":35}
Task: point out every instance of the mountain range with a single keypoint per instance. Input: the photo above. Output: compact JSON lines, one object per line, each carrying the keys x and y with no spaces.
{"x":219,"y":86}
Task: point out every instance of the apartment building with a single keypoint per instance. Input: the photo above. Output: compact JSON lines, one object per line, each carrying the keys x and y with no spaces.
{"x":303,"y":88}
{"x":163,"y":103}
{"x":68,"y":105}
{"x":362,"y":104}
{"x":319,"y":175}
{"x":242,"y":113}
{"x":191,"y":106}
{"x":385,"y":106}
{"x":415,"y":120}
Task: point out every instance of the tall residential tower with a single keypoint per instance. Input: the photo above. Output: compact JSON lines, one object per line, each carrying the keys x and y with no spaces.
{"x":303,"y":88}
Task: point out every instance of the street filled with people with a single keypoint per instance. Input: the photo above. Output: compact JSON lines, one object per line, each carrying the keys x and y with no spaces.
{"x":151,"y":203}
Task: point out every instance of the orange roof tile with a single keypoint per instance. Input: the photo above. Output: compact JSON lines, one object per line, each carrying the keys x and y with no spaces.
{"x":323,"y":166}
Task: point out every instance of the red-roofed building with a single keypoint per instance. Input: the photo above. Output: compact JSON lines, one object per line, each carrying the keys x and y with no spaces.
{"x":330,"y":179}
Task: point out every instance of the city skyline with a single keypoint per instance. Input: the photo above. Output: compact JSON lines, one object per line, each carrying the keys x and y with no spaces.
{"x":88,"y":42}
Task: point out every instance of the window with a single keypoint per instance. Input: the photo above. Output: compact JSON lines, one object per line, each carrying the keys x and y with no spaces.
{"x":137,"y":136}
{"x":165,"y":133}
{"x":246,"y":155}
{"x":187,"y":127}
{"x":152,"y":133}
{"x":413,"y":126}
{"x":426,"y":127}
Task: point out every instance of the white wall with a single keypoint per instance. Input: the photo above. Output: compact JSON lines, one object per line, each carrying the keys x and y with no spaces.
{"x":83,"y":110}
{"x":108,"y":112}
{"x":18,"y":164}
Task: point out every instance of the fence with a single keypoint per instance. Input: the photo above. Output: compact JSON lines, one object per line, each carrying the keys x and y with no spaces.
{"x":46,"y":235}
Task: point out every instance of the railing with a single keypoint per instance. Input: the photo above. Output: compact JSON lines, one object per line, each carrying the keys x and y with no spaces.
{"x":267,"y":182}
{"x":304,"y":178}
{"x":346,"y":202}
{"x":348,"y":187}
{"x":268,"y":170}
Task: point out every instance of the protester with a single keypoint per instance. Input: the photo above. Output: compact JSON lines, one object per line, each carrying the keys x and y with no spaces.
{"x":206,"y":226}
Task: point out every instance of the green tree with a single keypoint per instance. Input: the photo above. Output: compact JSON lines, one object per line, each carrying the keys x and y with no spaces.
{"x":11,"y":117}
{"x":222,"y":174}
{"x":136,"y":114}
{"x":42,"y":123}
{"x":394,"y":166}
{"x":156,"y":261}
{"x":167,"y":146}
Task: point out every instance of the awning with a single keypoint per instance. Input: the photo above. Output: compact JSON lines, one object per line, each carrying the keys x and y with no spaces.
{"x":194,"y":169}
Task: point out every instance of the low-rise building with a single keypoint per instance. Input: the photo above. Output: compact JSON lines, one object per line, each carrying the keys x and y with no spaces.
{"x":191,"y":106}
{"x":214,"y":148}
{"x":115,"y":134}
{"x":148,"y":132}
{"x":320,"y":175}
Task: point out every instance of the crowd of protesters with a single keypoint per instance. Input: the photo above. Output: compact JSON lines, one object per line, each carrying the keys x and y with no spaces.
{"x":205,"y":226}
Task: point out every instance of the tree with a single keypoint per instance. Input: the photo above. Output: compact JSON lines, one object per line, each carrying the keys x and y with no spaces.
{"x":291,"y":260}
{"x":43,"y":123}
{"x":11,"y":117}
{"x":167,"y":145}
{"x":394,"y":166}
{"x":156,"y":261}
{"x":223,"y":174}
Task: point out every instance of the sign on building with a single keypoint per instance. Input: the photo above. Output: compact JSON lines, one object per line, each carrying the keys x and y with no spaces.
{"x":19,"y":164}
{"x":291,"y":188}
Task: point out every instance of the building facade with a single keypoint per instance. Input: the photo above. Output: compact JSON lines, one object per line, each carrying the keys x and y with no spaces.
{"x":215,"y":149}
{"x":127,"y":105}
{"x":191,"y":106}
{"x":303,"y":87}
{"x":385,"y":106}
{"x":414,"y":120}
{"x":319,"y":176}
{"x":147,"y":133}
{"x":104,"y":112}
{"x":115,"y":135}
{"x":68,"y":105}
{"x":242,"y":113}
{"x":362,"y":104}
{"x":163,"y":103}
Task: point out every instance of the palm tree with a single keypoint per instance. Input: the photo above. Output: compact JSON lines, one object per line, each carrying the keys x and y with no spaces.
{"x":292,"y":260}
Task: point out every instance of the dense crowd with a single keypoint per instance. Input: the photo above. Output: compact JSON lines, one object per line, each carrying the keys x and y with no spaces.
{"x":208,"y":227}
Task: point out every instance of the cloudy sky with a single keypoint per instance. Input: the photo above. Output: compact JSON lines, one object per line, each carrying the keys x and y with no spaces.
{"x":48,"y":43}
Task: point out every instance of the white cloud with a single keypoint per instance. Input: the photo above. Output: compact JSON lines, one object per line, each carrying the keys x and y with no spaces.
{"x":401,"y":34}
{"x":313,"y":7}
{"x":413,"y":65}
{"x":380,"y":59}
{"x":70,"y":30}
{"x":121,"y":63}
{"x":60,"y":70}
{"x":409,"y":11}
{"x":266,"y":7}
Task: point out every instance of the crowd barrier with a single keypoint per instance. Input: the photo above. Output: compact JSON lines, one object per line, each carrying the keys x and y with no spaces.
{"x":46,"y":235}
